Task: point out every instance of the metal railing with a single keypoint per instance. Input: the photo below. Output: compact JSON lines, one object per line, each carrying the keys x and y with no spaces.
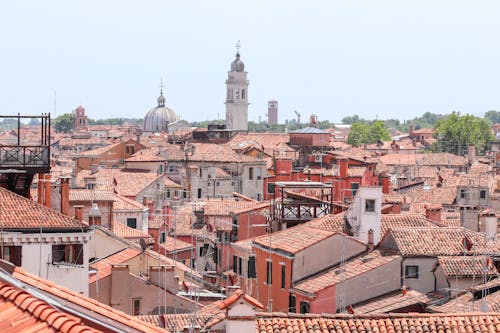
{"x":24,"y":156}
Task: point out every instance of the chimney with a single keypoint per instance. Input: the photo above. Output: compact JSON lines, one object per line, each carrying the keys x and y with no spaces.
{"x":65,"y":195}
{"x":370,"y":240}
{"x":79,"y":213}
{"x":385,"y":183}
{"x":433,"y":214}
{"x":47,"y":193}
{"x":40,"y":188}
{"x":471,"y":153}
{"x":343,"y":167}
{"x":488,"y":223}
{"x":94,"y":215}
{"x":411,"y":131}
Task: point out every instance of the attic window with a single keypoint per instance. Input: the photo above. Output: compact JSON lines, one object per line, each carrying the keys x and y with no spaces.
{"x":370,"y":205}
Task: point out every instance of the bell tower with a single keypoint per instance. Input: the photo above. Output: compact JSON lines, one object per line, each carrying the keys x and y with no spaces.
{"x":237,"y":95}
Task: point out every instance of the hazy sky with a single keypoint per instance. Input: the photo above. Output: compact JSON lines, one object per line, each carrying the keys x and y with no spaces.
{"x":391,"y":59}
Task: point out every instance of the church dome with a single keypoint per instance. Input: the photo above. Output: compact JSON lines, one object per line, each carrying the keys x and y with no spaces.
{"x":157,"y":119}
{"x":237,"y":65}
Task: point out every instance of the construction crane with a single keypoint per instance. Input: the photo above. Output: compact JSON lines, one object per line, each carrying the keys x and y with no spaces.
{"x":298,"y":116}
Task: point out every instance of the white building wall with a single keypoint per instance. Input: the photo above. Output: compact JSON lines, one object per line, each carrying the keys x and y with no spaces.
{"x":37,"y":258}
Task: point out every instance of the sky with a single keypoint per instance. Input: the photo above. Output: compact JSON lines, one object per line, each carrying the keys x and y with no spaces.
{"x":375,"y":58}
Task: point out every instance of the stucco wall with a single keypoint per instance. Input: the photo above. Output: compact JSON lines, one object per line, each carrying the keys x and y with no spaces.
{"x":426,"y":279}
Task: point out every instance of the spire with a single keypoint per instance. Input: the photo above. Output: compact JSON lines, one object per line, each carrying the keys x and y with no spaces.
{"x":161,"y":98}
{"x":238,"y":46}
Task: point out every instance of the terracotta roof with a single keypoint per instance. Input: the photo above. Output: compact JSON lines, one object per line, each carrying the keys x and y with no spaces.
{"x":427,"y":159}
{"x":393,"y":301}
{"x":130,"y":184}
{"x":122,"y":203}
{"x":467,"y":266}
{"x":20,"y":213}
{"x":479,"y":180}
{"x":98,"y":151}
{"x":218,"y":207}
{"x":387,"y":221}
{"x":440,"y":242}
{"x":353,"y":268}
{"x":295,"y":239}
{"x":409,"y":322}
{"x":174,"y":245}
{"x":22,"y":312}
{"x":103,"y":266}
{"x":90,"y":195}
{"x":467,"y":303}
{"x":236,"y":296}
{"x":126,"y":232}
{"x":87,"y":303}
{"x":147,"y":155}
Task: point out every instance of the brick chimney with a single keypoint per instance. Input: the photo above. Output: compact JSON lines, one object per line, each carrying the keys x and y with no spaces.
{"x":65,"y":195}
{"x":79,"y":213}
{"x":47,"y":193}
{"x":433,"y":214}
{"x":371,"y":246}
{"x":385,"y":183}
{"x":40,"y":188}
{"x":343,"y":168}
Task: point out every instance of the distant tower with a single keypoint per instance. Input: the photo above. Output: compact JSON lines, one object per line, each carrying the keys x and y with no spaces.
{"x":237,"y":95}
{"x":79,"y":119}
{"x":272,"y":112}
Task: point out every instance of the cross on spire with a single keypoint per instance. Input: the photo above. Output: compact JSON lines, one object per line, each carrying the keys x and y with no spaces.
{"x":238,"y":46}
{"x":161,"y":86}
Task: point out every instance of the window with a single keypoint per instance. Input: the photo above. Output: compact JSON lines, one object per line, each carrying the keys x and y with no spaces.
{"x":463,"y":194}
{"x":370,"y":205}
{"x":67,"y":253}
{"x":482,"y":194}
{"x":283,"y":276}
{"x":163,"y":237}
{"x":136,"y":306}
{"x":292,"y":304}
{"x":259,"y":173}
{"x":411,"y":272}
{"x":215,"y":256}
{"x":90,"y":186}
{"x":304,"y":307}
{"x":243,"y":94}
{"x":12,"y":254}
{"x":235,"y":264}
{"x":240,"y":266}
{"x":184,"y":194}
{"x":270,"y":188}
{"x":251,"y":268}
{"x":132,"y":222}
{"x":269,"y":272}
{"x":203,"y":250}
{"x":199,"y":193}
{"x":250,"y":173}
{"x":354,"y":188}
{"x":160,"y":168}
{"x":168,"y":193}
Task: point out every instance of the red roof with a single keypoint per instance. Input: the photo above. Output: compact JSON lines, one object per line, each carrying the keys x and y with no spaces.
{"x":20,"y":213}
{"x":22,"y":312}
{"x":86,"y":303}
{"x":104,"y":265}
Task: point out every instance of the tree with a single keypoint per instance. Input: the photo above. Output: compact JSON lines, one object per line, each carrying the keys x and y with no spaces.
{"x":378,"y":132}
{"x":362,"y":133}
{"x":359,"y":134}
{"x":455,"y":132}
{"x":493,"y":116}
{"x":64,"y":123}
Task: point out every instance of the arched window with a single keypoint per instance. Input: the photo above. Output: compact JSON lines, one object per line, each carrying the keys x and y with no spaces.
{"x":304,"y":307}
{"x":243,"y":94}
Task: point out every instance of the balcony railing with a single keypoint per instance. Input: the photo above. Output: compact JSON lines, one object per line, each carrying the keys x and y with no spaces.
{"x":24,"y":156}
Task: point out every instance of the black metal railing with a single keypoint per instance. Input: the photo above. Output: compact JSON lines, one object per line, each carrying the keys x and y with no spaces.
{"x":24,"y":156}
